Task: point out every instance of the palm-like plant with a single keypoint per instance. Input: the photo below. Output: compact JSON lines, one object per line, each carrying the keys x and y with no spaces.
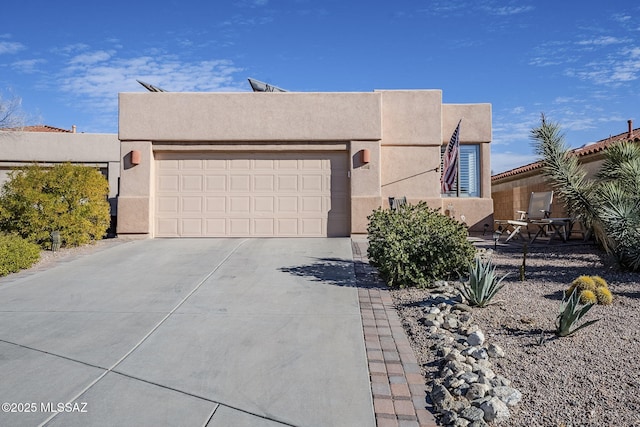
{"x":609,"y":205}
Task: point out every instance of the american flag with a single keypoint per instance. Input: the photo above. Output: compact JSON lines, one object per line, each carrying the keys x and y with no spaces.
{"x":450,"y":161}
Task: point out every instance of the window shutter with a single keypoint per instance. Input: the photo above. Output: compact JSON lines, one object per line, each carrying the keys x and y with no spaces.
{"x":469,"y":176}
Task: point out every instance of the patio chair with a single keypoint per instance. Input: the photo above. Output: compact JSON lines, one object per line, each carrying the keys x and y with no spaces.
{"x":396,"y":202}
{"x":539,"y":208}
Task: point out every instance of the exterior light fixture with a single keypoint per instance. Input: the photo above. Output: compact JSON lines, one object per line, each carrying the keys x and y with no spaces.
{"x":135,"y":157}
{"x":365,"y":155}
{"x":496,"y":237}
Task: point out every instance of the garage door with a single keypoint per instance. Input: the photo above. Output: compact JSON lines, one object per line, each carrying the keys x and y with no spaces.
{"x":252,"y":194}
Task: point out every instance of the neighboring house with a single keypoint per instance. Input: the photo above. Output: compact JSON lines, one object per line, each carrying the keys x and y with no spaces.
{"x":47,"y":145}
{"x":292,"y":164}
{"x":510,"y":190}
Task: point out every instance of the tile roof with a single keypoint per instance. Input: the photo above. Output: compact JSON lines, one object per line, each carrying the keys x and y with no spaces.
{"x":585,"y":150}
{"x":43,"y":128}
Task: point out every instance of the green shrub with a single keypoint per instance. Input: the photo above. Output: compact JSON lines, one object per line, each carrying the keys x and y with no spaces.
{"x":67,"y":198}
{"x":16,"y":254}
{"x":483,"y":283}
{"x":415,"y":245}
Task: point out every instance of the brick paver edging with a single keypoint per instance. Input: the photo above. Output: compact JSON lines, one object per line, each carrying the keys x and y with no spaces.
{"x":397,"y":385}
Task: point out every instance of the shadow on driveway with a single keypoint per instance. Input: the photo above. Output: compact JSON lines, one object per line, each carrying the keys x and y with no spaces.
{"x":338,"y":272}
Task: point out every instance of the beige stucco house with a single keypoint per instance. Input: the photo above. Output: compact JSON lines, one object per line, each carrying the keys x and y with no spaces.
{"x":48,"y":145}
{"x":292,"y":164}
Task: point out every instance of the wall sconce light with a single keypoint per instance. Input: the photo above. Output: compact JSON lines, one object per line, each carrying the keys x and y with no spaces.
{"x":135,"y":157}
{"x":365,"y":155}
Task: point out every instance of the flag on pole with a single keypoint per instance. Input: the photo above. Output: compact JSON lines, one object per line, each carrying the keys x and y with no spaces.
{"x":450,"y":161}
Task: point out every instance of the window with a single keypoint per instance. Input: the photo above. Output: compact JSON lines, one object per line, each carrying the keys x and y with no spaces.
{"x":468,"y":181}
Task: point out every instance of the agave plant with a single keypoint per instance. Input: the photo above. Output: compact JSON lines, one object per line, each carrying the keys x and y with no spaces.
{"x":483,"y":283}
{"x":570,"y":315}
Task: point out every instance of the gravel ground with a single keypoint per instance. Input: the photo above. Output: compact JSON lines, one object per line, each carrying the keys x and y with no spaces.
{"x":591,"y":378}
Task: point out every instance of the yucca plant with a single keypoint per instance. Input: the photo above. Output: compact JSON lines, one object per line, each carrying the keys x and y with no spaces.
{"x":483,"y":283}
{"x":610,"y":204}
{"x":570,"y":315}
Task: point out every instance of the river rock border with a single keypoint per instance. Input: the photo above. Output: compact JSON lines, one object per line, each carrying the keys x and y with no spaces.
{"x":466,"y":392}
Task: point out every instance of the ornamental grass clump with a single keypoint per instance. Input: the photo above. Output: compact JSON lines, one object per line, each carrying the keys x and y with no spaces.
{"x":483,"y":283}
{"x":570,"y":315}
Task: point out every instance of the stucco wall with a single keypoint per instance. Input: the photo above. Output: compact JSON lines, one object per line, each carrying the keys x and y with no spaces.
{"x":271,"y":116}
{"x":511,"y":194}
{"x":403,"y":132}
{"x":20,"y":149}
{"x":415,"y":126}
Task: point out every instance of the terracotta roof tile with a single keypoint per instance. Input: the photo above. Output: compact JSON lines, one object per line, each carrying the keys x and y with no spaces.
{"x":580,"y":151}
{"x":43,"y":128}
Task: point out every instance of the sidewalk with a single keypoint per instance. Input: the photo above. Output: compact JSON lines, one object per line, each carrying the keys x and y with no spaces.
{"x":397,"y":385}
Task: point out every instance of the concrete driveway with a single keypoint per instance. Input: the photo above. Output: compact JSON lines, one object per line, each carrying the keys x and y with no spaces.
{"x":187,"y":332}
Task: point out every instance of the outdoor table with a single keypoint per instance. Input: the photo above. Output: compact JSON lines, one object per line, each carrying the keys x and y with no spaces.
{"x":561,"y":228}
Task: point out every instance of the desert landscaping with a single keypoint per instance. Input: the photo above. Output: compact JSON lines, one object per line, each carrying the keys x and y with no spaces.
{"x":587,"y":379}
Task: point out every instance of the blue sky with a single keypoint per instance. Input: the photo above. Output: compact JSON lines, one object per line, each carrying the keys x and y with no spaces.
{"x":578,"y":62}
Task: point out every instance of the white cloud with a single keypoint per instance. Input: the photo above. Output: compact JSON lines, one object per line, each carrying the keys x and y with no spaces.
{"x":91,"y":58}
{"x":541,"y":61}
{"x":512,"y":128}
{"x":244,"y":21}
{"x":618,"y":68}
{"x":28,"y":66}
{"x":70,"y":49}
{"x":602,"y":41}
{"x":620,"y":17}
{"x":95,"y":79}
{"x":511,"y":10}
{"x":251,"y":3}
{"x":7,"y":47}
{"x":553,"y":53}
{"x":564,"y":100}
{"x":447,"y":6}
{"x":502,"y":162}
{"x":578,"y":123}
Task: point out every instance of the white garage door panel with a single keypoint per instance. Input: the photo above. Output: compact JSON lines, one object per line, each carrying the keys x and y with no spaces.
{"x":252,"y":194}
